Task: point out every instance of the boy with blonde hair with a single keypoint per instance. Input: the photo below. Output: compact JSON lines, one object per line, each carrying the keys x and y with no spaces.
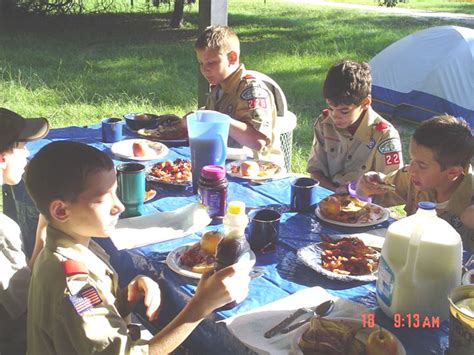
{"x":439,"y":171}
{"x":349,"y":137}
{"x":74,"y":302}
{"x":238,"y":94}
{"x":15,"y":132}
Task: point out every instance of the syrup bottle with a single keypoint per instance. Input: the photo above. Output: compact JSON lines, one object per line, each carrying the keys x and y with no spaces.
{"x":234,"y":246}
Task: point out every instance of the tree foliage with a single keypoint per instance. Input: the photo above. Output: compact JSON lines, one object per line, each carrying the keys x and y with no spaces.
{"x":390,"y":3}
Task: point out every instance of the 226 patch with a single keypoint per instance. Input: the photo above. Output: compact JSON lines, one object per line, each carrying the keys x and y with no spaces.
{"x":392,"y":158}
{"x":257,"y":102}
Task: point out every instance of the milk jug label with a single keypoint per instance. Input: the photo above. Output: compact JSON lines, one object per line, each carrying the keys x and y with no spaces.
{"x":385,"y":282}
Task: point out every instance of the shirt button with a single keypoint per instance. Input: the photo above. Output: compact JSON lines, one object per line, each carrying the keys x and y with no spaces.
{"x":364,"y":167}
{"x":349,"y":157}
{"x":332,"y":149}
{"x":351,"y":138}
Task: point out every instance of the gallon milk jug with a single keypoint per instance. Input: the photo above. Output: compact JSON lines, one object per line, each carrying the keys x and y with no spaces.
{"x":421,"y":262}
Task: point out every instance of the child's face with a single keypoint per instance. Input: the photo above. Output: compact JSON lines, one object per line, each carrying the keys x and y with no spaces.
{"x":214,"y":66}
{"x":13,"y":164}
{"x":345,"y":115}
{"x":96,"y":211}
{"x":425,"y":172}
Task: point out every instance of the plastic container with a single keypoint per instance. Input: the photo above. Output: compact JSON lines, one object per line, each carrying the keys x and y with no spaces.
{"x":233,"y":247}
{"x":213,"y":190}
{"x":421,"y":262}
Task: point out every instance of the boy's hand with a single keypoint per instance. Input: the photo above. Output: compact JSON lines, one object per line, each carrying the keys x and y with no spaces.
{"x":218,"y":289}
{"x":467,"y":217}
{"x":142,"y":286}
{"x":371,"y":183}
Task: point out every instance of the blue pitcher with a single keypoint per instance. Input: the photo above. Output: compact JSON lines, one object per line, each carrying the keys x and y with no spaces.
{"x":208,"y":132}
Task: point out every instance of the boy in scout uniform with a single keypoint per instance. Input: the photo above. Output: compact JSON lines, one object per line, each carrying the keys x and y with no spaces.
{"x":75,"y":306}
{"x":15,"y":273}
{"x":244,"y":98}
{"x":349,"y":137}
{"x":439,"y":171}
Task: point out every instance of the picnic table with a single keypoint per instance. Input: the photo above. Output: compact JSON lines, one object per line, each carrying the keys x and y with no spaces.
{"x":284,"y":274}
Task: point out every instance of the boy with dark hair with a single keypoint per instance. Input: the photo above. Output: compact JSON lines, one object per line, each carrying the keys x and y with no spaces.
{"x":349,"y":137}
{"x":238,"y":94}
{"x":439,"y":171}
{"x":74,"y":303}
{"x":15,"y":273}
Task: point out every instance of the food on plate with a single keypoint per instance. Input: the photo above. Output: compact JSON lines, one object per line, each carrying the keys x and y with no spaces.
{"x":178,"y":171}
{"x":143,"y":117}
{"x":348,"y":256}
{"x":138,"y":149}
{"x":330,"y":336}
{"x":149,"y":194}
{"x":209,"y":242}
{"x":259,"y":168}
{"x":169,"y":127}
{"x":249,"y":168}
{"x":381,"y":341}
{"x":201,"y":256}
{"x":349,"y":209}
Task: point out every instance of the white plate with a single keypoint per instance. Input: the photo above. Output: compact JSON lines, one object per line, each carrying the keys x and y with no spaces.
{"x":361,"y":335}
{"x":142,"y":133}
{"x":278,"y":173}
{"x":172,"y":260}
{"x":382,"y":218}
{"x":154,"y":178}
{"x":154,"y":150}
{"x":310,"y":255}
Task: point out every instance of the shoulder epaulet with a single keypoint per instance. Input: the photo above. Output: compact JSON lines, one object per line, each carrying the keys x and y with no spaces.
{"x":249,"y":76}
{"x":381,"y":126}
{"x":73,"y":267}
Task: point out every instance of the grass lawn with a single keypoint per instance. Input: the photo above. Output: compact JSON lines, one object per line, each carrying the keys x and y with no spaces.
{"x":76,"y":70}
{"x":459,"y":6}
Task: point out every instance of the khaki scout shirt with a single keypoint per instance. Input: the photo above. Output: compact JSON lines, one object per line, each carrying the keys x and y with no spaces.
{"x":247,"y":99}
{"x":54,"y":325}
{"x":14,"y":281}
{"x":342,"y":157}
{"x":461,"y":198}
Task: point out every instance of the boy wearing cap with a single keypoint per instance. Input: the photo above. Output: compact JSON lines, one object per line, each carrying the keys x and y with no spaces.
{"x":350,"y":138}
{"x":15,"y":132}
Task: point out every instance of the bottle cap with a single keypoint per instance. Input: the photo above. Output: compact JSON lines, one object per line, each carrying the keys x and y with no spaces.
{"x":236,"y":207}
{"x":213,"y":172}
{"x":426,"y":205}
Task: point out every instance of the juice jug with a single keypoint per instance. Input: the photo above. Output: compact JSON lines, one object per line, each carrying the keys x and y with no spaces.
{"x":421,"y":262}
{"x":208,"y":132}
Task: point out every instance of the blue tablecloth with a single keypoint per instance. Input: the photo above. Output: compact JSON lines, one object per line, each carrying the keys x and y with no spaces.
{"x":284,"y":274}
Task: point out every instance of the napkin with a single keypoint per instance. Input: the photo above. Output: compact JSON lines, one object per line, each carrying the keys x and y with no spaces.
{"x":158,"y":227}
{"x":249,"y":327}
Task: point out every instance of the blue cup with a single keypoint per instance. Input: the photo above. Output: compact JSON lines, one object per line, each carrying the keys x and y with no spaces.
{"x":131,"y":188}
{"x":112,"y":130}
{"x":303,"y":194}
{"x":208,"y":132}
{"x":263,"y":230}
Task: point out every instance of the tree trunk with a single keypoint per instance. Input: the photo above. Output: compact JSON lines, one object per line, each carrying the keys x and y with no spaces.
{"x":177,"y":16}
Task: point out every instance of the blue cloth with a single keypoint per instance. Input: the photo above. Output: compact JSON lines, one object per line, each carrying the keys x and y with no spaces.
{"x":284,"y":274}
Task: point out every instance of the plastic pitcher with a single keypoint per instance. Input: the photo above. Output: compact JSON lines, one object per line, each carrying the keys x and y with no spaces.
{"x":421,"y":262}
{"x":208,"y":132}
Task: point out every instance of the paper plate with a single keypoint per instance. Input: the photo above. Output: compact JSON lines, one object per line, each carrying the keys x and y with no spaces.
{"x":310,"y":255}
{"x":172,"y":260}
{"x":275,"y":169}
{"x":153,"y":150}
{"x":361,"y":335}
{"x":379,"y":218}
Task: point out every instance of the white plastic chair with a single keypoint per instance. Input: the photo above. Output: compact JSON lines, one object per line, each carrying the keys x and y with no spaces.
{"x":286,"y":120}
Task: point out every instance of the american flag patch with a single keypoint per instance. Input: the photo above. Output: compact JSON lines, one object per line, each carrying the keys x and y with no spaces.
{"x":85,"y":299}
